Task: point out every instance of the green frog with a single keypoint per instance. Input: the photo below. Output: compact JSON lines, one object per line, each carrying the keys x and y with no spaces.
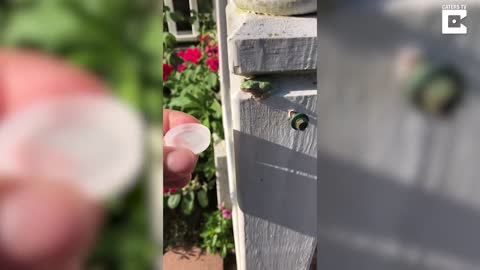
{"x":258,"y":88}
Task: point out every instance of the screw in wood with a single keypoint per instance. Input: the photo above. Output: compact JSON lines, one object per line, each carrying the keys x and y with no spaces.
{"x":298,"y":121}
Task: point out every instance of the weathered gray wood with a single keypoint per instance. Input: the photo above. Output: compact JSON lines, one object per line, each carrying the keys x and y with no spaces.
{"x":398,"y":190}
{"x":276,"y":174}
{"x":261,"y":44}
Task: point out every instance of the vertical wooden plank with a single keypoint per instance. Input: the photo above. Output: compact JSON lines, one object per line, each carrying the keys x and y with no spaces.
{"x":274,"y":166}
{"x":400,"y":188}
{"x":276,"y":174}
{"x":227,"y":119}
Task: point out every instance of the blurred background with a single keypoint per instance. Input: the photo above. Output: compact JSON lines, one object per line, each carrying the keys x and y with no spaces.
{"x":119,"y":41}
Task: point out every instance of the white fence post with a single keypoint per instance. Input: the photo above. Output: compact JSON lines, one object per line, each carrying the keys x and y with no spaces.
{"x":272,"y":167}
{"x":183,"y":36}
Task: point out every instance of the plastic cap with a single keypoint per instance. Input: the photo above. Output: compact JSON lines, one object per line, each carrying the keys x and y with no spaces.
{"x":94,"y":141}
{"x":194,"y":137}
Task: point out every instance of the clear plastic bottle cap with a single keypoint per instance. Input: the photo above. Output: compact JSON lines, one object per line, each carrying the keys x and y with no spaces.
{"x":194,"y":137}
{"x":95,"y":141}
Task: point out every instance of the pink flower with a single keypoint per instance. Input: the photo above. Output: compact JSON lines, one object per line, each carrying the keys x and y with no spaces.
{"x":192,"y":55}
{"x":181,"y":67}
{"x":167,"y":70}
{"x":227,"y":214}
{"x":212,"y":64}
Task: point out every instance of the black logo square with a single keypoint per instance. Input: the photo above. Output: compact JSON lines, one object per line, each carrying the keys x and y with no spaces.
{"x":454,"y":21}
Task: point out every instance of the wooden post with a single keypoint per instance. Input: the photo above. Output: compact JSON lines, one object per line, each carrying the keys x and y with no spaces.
{"x":399,"y":186}
{"x":272,"y":167}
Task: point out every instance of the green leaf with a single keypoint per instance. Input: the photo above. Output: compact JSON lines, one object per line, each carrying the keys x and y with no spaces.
{"x":202,"y":198}
{"x":180,"y":102}
{"x":169,"y":40}
{"x":188,"y":203}
{"x":212,"y":80}
{"x":224,"y":251}
{"x":214,"y":240}
{"x":193,"y":98}
{"x":217,"y":109}
{"x":174,"y":200}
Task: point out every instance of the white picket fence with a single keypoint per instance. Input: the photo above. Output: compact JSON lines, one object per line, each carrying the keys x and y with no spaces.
{"x":190,"y":34}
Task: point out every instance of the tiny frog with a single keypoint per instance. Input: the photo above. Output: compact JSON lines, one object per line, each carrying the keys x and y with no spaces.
{"x":259,"y":89}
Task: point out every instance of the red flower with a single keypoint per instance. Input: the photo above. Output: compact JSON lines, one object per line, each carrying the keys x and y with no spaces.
{"x":165,"y":190}
{"x":212,"y":64}
{"x":167,"y":70}
{"x":192,"y":55}
{"x":212,"y":51}
{"x":180,"y":54}
{"x":172,"y":190}
{"x":204,"y":38}
{"x":181,"y":67}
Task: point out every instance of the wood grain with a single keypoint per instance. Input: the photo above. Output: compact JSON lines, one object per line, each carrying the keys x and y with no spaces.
{"x":276,"y":174}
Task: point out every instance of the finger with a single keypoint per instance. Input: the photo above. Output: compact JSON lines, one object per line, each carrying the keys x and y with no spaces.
{"x":45,"y":223}
{"x":27,"y":77}
{"x":172,"y":118}
{"x":178,"y":166}
{"x":178,"y":181}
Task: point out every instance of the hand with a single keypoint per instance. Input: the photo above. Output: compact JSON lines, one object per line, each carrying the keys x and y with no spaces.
{"x":178,"y":163}
{"x":43,"y":224}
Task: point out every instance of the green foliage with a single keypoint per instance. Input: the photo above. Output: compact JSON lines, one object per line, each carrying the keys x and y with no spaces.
{"x":124,"y":242}
{"x":185,"y":198}
{"x":202,"y":198}
{"x":217,"y":233}
{"x":87,"y":33}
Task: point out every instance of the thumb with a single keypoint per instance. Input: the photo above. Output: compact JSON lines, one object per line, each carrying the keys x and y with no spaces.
{"x":178,"y":165}
{"x":44,"y":224}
